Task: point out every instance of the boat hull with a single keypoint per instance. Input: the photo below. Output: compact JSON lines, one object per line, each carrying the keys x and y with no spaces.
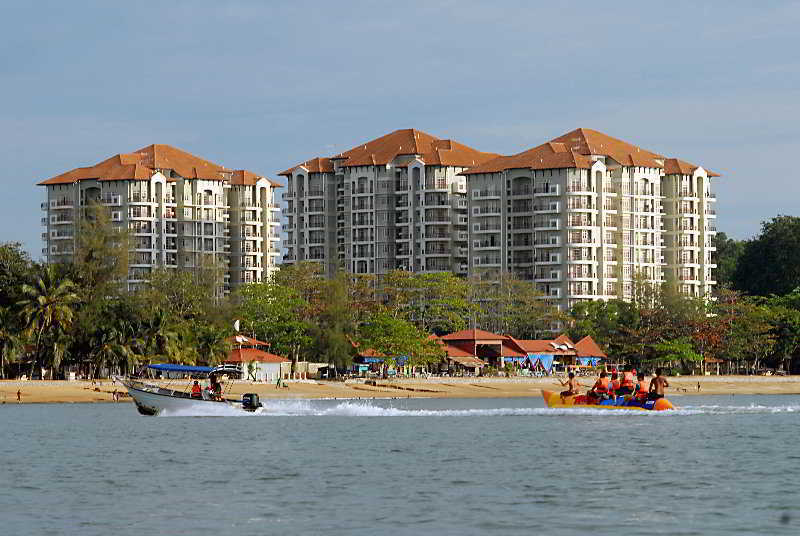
{"x":555,"y":400}
{"x":154,"y":400}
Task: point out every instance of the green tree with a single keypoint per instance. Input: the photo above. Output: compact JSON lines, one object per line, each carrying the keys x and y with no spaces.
{"x":15,"y":270}
{"x":278,"y":314}
{"x":48,"y":309}
{"x":507,"y":304}
{"x":101,"y":260}
{"x":681,"y":350}
{"x":435,"y":302}
{"x":11,"y":344}
{"x":182,"y":294}
{"x":770,"y":263}
{"x":212,"y":343}
{"x":395,"y":337}
{"x":726,"y":257}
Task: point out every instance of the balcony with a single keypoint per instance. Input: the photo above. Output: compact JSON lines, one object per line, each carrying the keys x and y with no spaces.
{"x":61,"y":203}
{"x":486,"y":194}
{"x":60,"y":220}
{"x":482,"y":211}
{"x":315,"y":192}
{"x":550,"y":277}
{"x":486,"y":261}
{"x":113,"y":200}
{"x":288,"y":195}
{"x":541,"y":191}
{"x":524,"y":190}
{"x":551,"y":225}
{"x":554,"y":207}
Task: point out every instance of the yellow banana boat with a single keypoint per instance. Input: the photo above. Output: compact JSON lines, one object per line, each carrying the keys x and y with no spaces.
{"x":555,"y":400}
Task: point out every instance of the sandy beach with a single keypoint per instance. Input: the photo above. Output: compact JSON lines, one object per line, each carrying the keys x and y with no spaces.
{"x":102,"y":391}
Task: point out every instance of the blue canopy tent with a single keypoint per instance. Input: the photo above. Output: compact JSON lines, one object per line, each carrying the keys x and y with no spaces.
{"x":190,"y":369}
{"x":546,"y":360}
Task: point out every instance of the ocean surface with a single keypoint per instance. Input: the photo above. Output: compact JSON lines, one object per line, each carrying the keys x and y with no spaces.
{"x":719,"y":465}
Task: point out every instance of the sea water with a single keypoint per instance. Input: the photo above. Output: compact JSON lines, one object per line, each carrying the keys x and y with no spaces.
{"x":718,"y":465}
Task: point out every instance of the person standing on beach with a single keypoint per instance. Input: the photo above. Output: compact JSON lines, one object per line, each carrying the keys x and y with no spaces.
{"x":657,"y":386}
{"x":19,"y":396}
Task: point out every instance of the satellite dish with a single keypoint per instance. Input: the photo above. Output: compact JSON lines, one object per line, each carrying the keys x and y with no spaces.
{"x":236,"y":325}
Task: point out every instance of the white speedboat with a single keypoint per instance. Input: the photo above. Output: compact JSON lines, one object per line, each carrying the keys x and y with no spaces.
{"x":152,"y":399}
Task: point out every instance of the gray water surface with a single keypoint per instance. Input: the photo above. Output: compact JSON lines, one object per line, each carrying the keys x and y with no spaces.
{"x":719,"y":465}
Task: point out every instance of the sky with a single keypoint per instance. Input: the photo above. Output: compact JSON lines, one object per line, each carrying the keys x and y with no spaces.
{"x":266,"y":85}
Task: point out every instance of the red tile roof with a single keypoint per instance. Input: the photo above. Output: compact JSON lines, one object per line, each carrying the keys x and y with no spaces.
{"x":676,"y":166}
{"x":472,"y":335}
{"x":248,"y":178}
{"x":243,"y":355}
{"x":315,"y":165}
{"x":591,"y":142}
{"x":573,"y":150}
{"x":586,"y":347}
{"x":545,"y":156}
{"x":540,"y":346}
{"x":244,"y":340}
{"x":381,"y":151}
{"x":142,"y":164}
{"x":454,"y":351}
{"x":563,"y":339}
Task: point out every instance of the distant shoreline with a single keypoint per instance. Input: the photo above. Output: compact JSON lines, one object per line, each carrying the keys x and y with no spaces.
{"x":54,"y":391}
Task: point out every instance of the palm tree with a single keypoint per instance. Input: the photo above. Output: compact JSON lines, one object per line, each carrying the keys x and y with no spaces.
{"x":47,"y":312}
{"x":212,"y":344}
{"x":155,"y":332}
{"x":111,"y":348}
{"x":10,"y":342}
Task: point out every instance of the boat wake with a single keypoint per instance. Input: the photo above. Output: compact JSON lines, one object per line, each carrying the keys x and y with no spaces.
{"x":353,"y":408}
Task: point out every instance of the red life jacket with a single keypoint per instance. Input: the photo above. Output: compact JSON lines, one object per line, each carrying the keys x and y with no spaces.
{"x":627,"y":380}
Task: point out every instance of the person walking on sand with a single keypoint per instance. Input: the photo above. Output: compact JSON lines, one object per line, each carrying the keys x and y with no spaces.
{"x":657,"y":386}
{"x":19,"y":396}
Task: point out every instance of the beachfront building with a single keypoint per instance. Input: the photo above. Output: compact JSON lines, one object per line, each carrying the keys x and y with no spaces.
{"x":470,"y":350}
{"x":183,"y":213}
{"x":584,"y":214}
{"x":396,"y":202}
{"x":258,"y":365}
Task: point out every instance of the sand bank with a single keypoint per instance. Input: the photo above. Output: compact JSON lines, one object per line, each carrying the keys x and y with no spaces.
{"x":80,"y":391}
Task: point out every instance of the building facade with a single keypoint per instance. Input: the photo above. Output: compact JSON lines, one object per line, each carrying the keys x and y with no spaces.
{"x":183,"y":212}
{"x":396,"y":202}
{"x":583,"y":215}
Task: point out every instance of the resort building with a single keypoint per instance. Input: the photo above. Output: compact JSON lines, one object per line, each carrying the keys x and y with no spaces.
{"x":581,"y":216}
{"x":584,"y":214}
{"x":396,"y":202}
{"x":183,"y":212}
{"x":258,"y":365}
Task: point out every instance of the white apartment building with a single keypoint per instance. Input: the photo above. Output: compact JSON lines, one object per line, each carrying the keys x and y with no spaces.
{"x":394,"y":202}
{"x":581,"y":215}
{"x":183,"y":212}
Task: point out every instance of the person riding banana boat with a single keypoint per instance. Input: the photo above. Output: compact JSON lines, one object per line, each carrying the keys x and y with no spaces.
{"x":643,"y":394}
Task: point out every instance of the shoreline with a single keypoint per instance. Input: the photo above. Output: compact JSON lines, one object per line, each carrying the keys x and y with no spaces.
{"x":62,"y":391}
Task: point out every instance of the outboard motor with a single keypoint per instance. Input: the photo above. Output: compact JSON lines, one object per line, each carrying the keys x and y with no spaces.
{"x":250,"y":402}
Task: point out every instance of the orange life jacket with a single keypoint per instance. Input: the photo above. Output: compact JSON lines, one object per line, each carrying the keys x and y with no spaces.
{"x":196,"y":389}
{"x":643,"y":389}
{"x":601,"y":385}
{"x":614,"y":385}
{"x":627,"y":379}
